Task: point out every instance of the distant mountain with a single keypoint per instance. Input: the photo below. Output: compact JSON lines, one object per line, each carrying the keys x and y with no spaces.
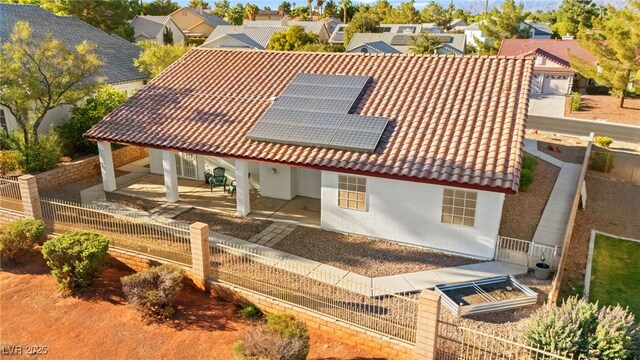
{"x":477,"y":6}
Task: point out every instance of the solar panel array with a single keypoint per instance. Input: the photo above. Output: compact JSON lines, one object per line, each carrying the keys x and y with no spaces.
{"x":314,"y":111}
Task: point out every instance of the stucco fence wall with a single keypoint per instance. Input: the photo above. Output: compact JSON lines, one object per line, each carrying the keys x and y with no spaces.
{"x":78,"y":170}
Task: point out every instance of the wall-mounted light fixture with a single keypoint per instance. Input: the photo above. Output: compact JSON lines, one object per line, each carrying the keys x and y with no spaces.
{"x":274,"y":170}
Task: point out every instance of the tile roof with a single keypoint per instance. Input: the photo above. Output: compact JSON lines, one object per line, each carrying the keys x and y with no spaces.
{"x":259,"y":36}
{"x":540,"y":27}
{"x":116,"y":53}
{"x":148,"y":26}
{"x":554,"y":49}
{"x":457,"y":121}
{"x":309,"y":26}
{"x":453,"y":43}
{"x":208,"y":17}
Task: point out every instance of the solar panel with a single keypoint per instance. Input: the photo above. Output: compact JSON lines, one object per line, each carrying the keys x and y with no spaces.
{"x":313,"y":110}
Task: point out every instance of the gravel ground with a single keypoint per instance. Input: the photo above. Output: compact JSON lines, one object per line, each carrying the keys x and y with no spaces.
{"x":612,"y":207}
{"x":521,"y":212}
{"x":71,"y":191}
{"x":606,"y":107}
{"x":133,"y":201}
{"x":364,"y":255}
{"x":506,"y":324}
{"x":236,"y":226}
{"x":571,"y":149}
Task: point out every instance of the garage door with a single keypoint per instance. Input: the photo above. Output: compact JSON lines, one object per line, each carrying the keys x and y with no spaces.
{"x":535,"y":83}
{"x":555,"y":85}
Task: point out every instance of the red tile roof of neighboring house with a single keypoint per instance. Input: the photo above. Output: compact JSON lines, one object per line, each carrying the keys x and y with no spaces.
{"x":552,"y":49}
{"x":456,"y":121}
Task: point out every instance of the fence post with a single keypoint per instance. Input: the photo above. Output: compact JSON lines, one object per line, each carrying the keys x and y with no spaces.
{"x":199,"y":236}
{"x":30,"y":197}
{"x":427,"y":326}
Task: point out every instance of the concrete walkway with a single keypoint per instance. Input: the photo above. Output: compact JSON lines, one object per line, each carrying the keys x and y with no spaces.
{"x":95,"y":194}
{"x":552,"y":225}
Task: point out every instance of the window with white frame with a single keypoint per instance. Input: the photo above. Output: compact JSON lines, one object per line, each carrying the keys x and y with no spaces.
{"x":459,"y":207}
{"x":3,"y":121}
{"x":352,"y":192}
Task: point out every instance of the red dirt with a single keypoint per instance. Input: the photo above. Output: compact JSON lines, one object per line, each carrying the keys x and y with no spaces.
{"x":606,"y":107}
{"x":100,"y":325}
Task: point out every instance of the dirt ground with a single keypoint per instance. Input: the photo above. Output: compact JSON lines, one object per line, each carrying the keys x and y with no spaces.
{"x":521,"y":212}
{"x":100,"y":325}
{"x":612,"y":207}
{"x":133,"y":202}
{"x":606,"y":107}
{"x":236,"y":226}
{"x":565,"y":148}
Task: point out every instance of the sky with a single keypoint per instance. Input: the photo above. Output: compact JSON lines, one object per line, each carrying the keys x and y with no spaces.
{"x":470,"y":5}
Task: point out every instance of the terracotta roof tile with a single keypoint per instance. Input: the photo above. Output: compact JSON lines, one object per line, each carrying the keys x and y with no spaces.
{"x":454,"y":120}
{"x":553,"y":49}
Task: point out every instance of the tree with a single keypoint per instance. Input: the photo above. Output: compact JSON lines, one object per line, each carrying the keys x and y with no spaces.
{"x":436,"y":13}
{"x":321,"y":47}
{"x":167,"y":36}
{"x":574,"y":14}
{"x":235,"y":15}
{"x":381,"y":10}
{"x":331,"y":9}
{"x":157,"y":57}
{"x":362,"y":22}
{"x":198,"y":4}
{"x":285,"y":7}
{"x":310,"y":2}
{"x":424,"y":44}
{"x":39,"y":75}
{"x":220,"y":8}
{"x":159,"y":7}
{"x":291,"y":39}
{"x":616,"y":44}
{"x":84,"y":116}
{"x":319,"y":4}
{"x":503,"y":24}
{"x":345,"y":6}
{"x":251,"y":11}
{"x":404,"y":13}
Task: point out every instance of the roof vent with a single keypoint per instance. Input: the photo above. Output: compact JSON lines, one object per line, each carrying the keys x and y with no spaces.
{"x":568,"y":37}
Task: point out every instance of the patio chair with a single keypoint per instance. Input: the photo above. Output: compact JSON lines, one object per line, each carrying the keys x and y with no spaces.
{"x":232,"y":188}
{"x":217,"y":178}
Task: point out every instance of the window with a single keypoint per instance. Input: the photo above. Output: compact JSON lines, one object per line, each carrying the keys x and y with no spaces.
{"x":459,"y":207}
{"x":352,"y":192}
{"x":3,"y":121}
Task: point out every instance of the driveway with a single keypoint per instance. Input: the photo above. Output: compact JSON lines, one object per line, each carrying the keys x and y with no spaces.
{"x":547,"y":105}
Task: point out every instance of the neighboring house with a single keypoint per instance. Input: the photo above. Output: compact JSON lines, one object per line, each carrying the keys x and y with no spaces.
{"x":457,"y":25}
{"x":392,"y":147}
{"x":196,"y":23}
{"x":401,"y":43}
{"x":116,"y":53}
{"x":242,"y":37}
{"x":315,"y":27}
{"x":270,"y":15}
{"x":536,"y":31}
{"x":432,"y":28}
{"x":331,"y":23}
{"x":552,"y":70}
{"x":147,"y":27}
{"x":337,"y":37}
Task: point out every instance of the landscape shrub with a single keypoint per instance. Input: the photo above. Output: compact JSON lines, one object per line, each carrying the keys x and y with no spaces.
{"x":281,"y":337}
{"x":19,"y":237}
{"x":154,"y":291}
{"x":579,"y":329}
{"x":9,"y":161}
{"x":42,"y":155}
{"x":603,"y":141}
{"x":251,"y":312}
{"x":526,"y":179}
{"x":530,"y":163}
{"x":575,"y":101}
{"x":602,"y":161}
{"x":75,"y":259}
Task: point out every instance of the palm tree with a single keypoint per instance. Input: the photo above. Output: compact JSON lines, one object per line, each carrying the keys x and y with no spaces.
{"x":345,"y":4}
{"x":319,"y":4}
{"x":310,"y":8}
{"x":251,"y":11}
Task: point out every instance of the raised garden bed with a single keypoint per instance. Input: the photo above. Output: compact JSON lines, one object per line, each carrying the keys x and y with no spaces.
{"x":486,"y":295}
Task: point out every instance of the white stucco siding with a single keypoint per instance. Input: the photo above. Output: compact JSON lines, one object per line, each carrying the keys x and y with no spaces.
{"x":411,"y":213}
{"x":130,"y":87}
{"x":54,"y":117}
{"x":309,"y":183}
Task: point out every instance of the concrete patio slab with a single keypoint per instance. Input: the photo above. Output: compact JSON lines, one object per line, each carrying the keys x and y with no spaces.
{"x":423,"y":279}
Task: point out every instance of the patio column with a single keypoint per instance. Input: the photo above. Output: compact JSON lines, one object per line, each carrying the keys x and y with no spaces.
{"x":242,"y":188}
{"x":170,"y":175}
{"x":106,"y":166}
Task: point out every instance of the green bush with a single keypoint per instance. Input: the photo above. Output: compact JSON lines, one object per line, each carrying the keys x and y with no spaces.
{"x":9,"y":161}
{"x":154,"y":291}
{"x":529,"y":163}
{"x":42,"y":155}
{"x":75,"y":259}
{"x":575,"y":101}
{"x":603,"y":141}
{"x":601,"y":161}
{"x":526,"y":179}
{"x":19,"y":237}
{"x":83,"y":117}
{"x":281,"y":337}
{"x":251,"y":312}
{"x":579,"y":329}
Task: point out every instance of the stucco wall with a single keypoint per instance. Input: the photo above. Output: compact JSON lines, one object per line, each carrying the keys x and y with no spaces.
{"x":410,"y":213}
